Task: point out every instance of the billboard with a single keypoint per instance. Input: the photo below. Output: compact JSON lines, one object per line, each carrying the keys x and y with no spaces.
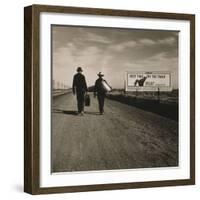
{"x":148,"y":81}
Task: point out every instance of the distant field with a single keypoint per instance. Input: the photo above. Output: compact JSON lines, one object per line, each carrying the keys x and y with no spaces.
{"x":164,"y":103}
{"x":164,"y":97}
{"x":58,"y":92}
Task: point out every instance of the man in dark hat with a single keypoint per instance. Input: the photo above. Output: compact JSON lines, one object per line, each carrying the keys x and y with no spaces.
{"x":100,"y":91}
{"x":79,"y":88}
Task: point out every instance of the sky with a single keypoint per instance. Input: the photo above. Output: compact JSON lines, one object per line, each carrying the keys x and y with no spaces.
{"x":112,"y":51}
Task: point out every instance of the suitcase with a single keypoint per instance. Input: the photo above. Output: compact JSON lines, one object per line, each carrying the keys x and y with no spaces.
{"x":87,"y":100}
{"x":106,"y":87}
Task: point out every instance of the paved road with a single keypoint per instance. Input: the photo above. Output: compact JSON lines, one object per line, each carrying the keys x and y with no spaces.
{"x":124,"y":137}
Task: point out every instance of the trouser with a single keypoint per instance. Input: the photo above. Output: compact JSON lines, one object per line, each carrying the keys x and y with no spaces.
{"x":101,"y":99}
{"x":80,"y":100}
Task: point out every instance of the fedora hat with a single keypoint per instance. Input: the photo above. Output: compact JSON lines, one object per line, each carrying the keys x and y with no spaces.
{"x":100,"y":74}
{"x":79,"y":69}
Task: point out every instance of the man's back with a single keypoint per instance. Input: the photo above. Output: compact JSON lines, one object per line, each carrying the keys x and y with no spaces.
{"x":98,"y":86}
{"x":79,"y":82}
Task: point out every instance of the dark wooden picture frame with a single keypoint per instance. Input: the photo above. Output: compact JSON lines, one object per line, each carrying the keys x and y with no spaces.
{"x":32,"y":93}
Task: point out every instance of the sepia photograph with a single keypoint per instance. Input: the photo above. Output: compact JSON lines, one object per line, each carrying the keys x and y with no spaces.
{"x":114,"y":98}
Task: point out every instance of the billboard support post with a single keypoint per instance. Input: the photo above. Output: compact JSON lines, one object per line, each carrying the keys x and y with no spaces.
{"x":158,"y":95}
{"x":136,"y":94}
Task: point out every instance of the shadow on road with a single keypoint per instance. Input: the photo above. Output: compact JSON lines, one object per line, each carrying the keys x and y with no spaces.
{"x":72,"y":112}
{"x":67,"y":112}
{"x":92,"y":113}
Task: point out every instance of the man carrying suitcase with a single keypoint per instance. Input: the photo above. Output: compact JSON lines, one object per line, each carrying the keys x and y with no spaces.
{"x":79,"y":87}
{"x":100,"y":89}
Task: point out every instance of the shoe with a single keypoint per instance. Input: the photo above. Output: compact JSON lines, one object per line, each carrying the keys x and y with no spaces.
{"x":82,"y":113}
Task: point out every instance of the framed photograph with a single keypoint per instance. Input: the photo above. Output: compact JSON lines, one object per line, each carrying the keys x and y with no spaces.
{"x":109,"y":99}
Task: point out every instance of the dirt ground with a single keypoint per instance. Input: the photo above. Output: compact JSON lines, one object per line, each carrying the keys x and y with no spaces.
{"x":125,"y":137}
